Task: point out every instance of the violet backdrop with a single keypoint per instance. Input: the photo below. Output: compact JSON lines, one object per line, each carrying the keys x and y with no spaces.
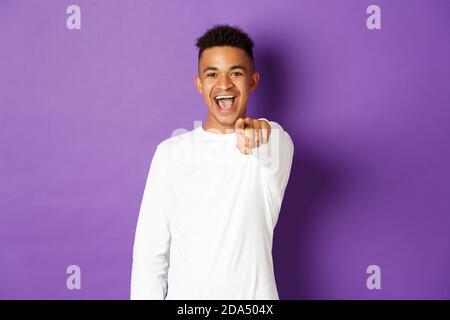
{"x":81,"y":112}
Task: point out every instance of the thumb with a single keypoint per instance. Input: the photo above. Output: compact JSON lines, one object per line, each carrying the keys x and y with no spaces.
{"x":239,"y":125}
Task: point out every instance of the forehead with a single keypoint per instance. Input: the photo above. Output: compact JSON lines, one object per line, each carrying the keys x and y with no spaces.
{"x":224,"y":57}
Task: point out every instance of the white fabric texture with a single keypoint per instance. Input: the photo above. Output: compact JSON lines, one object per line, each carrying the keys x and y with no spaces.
{"x":207,"y":217}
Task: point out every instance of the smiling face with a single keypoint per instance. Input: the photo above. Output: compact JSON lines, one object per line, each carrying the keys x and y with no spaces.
{"x":226,"y":76}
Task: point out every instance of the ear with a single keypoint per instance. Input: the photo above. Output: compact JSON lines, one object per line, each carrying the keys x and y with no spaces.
{"x":255,"y":81}
{"x":198,"y":84}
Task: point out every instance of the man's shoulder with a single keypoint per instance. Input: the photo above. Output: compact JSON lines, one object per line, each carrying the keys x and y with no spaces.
{"x":278,"y":132}
{"x":178,"y":139}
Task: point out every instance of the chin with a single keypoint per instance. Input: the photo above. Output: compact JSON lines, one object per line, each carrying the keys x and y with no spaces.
{"x":226,"y":121}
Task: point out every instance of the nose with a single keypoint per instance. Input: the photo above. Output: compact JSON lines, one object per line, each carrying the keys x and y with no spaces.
{"x":224,"y":83}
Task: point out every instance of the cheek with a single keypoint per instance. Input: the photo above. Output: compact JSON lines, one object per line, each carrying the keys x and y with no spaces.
{"x":207,"y":87}
{"x":243,"y":92}
{"x":244,"y":86}
{"x":206,"y":90}
{"x":243,"y":100}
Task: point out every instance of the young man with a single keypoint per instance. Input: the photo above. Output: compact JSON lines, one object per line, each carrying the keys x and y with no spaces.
{"x":213,"y":194}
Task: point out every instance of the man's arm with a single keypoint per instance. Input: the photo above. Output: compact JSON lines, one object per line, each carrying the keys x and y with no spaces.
{"x":152,"y":239}
{"x":276,"y":159}
{"x":274,"y":149}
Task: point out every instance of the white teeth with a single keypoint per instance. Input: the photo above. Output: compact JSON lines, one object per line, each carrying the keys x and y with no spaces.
{"x":224,"y":97}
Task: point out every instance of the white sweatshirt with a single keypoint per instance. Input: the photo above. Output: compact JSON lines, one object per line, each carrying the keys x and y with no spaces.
{"x":207,"y":217}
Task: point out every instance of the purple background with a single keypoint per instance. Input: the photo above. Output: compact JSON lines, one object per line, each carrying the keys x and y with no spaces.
{"x":81,"y":112}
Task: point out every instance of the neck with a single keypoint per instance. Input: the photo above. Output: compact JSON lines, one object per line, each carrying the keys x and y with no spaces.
{"x":212,"y":123}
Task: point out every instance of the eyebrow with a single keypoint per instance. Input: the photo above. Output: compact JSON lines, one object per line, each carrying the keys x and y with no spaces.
{"x":237,"y":66}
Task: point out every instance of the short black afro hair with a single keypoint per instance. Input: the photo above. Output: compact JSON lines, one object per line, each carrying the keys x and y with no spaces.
{"x":225,"y":35}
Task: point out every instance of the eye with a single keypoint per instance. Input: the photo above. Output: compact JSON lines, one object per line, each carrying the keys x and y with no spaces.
{"x":211,"y":75}
{"x":236,"y":73}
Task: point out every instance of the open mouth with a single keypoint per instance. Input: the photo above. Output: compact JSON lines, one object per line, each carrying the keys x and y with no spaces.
{"x":225,"y":102}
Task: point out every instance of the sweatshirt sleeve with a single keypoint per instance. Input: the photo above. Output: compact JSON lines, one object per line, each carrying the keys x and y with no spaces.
{"x":152,"y":239}
{"x":276,"y":158}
